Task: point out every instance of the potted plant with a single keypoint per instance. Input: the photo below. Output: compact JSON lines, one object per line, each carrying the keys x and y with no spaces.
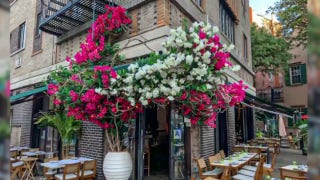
{"x":67,"y":127}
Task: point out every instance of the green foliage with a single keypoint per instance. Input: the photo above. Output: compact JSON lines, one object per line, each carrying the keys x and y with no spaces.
{"x":293,"y":15}
{"x":66,"y":126}
{"x":269,"y":53}
{"x":313,"y":33}
{"x":259,"y":134}
{"x":4,"y":130}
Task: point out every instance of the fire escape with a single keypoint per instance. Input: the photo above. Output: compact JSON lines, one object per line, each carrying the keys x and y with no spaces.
{"x":62,"y":16}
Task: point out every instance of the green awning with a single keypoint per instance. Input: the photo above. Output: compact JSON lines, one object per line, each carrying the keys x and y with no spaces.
{"x":270,"y":105}
{"x":28,"y":93}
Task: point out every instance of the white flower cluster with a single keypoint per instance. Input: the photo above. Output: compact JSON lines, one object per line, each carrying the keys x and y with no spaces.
{"x":183,"y":65}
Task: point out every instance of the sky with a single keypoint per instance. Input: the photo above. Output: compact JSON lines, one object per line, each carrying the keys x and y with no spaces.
{"x":260,"y":6}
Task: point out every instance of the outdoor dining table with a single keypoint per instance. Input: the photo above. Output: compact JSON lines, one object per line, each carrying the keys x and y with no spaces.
{"x":262,"y":148}
{"x":29,"y":164}
{"x":34,"y":154}
{"x":236,"y":160}
{"x":301,"y":169}
{"x":18,"y":148}
{"x":61,"y":163}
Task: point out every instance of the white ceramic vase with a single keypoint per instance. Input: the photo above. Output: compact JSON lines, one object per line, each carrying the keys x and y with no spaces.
{"x":117,"y":165}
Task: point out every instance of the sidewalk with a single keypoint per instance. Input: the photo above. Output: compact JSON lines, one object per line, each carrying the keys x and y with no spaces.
{"x":286,"y":157}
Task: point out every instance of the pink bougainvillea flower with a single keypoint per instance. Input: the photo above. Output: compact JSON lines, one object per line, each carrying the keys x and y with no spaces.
{"x":57,"y":102}
{"x":52,"y":89}
{"x":74,"y":96}
{"x":202,"y":34}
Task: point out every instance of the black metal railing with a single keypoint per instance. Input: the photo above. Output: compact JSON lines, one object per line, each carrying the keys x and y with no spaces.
{"x":62,"y":16}
{"x":266,"y":94}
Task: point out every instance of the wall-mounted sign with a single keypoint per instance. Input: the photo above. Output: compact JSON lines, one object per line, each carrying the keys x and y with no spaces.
{"x":177,"y":134}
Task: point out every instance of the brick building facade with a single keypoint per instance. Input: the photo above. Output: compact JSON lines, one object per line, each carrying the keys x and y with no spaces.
{"x":39,"y":53}
{"x":285,"y":85}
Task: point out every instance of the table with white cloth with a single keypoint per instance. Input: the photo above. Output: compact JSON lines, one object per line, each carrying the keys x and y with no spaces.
{"x":236,"y":161}
{"x":34,"y":154}
{"x":262,"y":148}
{"x":18,"y":148}
{"x":61,"y":163}
{"x":302,"y":170}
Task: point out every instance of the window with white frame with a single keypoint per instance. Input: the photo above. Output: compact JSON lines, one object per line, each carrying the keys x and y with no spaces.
{"x":22,"y":31}
{"x":226,"y":22}
{"x":295,"y":74}
{"x":17,"y":38}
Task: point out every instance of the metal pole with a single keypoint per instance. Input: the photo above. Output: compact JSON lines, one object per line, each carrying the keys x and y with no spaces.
{"x":140,"y":131}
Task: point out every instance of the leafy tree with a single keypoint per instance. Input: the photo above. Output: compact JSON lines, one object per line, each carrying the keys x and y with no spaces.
{"x":269,"y":53}
{"x":293,"y":15}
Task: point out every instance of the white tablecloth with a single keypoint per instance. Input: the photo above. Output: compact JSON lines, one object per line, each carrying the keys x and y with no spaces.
{"x":303,"y":168}
{"x":62,"y":163}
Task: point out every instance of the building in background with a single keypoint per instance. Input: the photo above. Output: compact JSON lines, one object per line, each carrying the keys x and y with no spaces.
{"x":286,"y":89}
{"x":63,"y":25}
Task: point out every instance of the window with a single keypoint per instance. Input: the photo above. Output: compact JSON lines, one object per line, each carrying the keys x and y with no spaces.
{"x":245,"y":47}
{"x":38,"y":31}
{"x":295,"y":73}
{"x":226,"y":22}
{"x":17,"y":38}
{"x":22,"y":29}
{"x":199,"y":2}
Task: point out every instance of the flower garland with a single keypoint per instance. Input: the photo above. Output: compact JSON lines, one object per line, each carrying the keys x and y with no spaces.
{"x":189,"y":73}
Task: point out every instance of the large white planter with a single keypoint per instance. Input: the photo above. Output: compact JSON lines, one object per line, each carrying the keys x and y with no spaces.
{"x":117,"y":166}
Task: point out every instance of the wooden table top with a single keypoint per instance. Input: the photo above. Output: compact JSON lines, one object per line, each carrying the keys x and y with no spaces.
{"x":62,"y":163}
{"x":300,"y":168}
{"x":235,"y":160}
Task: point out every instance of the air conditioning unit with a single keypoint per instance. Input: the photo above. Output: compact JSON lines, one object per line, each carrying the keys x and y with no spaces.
{"x":18,"y":62}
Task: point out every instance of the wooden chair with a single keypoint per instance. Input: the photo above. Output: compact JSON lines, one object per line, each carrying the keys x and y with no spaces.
{"x":89,"y":170}
{"x":212,"y":159}
{"x":292,"y":174}
{"x":15,"y":168}
{"x":223,"y":155}
{"x":272,"y":147}
{"x":249,"y":175}
{"x":21,"y":153}
{"x":237,"y":149}
{"x":219,"y":156}
{"x":49,"y":173}
{"x":70,"y":172}
{"x":225,"y":175}
{"x":291,"y":142}
{"x":255,"y":150}
{"x":14,"y":156}
{"x":203,"y":170}
{"x":269,"y":168}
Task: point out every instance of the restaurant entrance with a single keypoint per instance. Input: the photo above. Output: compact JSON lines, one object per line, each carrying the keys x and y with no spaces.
{"x":156,"y":143}
{"x":166,"y":146}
